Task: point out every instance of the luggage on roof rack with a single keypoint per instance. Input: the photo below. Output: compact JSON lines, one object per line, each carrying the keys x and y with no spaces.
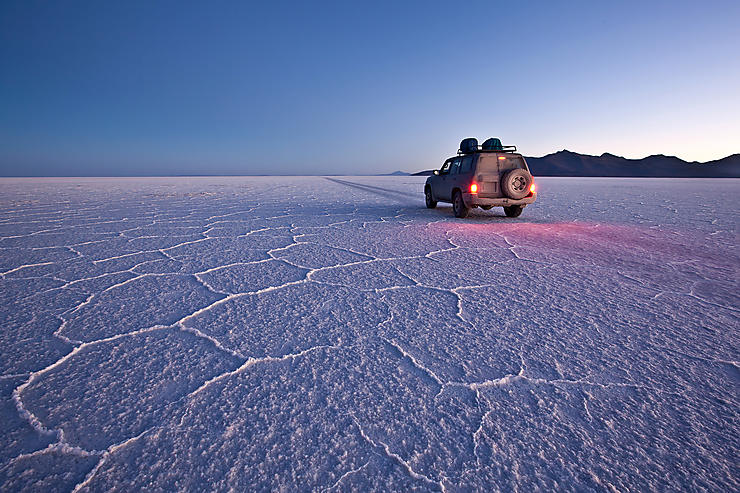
{"x":493,"y":144}
{"x":468,"y":145}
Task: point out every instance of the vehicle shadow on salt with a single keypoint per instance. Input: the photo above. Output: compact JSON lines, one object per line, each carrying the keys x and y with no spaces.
{"x":396,"y":195}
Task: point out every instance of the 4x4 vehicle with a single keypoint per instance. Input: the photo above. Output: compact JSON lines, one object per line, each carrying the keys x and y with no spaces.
{"x":482,"y":176}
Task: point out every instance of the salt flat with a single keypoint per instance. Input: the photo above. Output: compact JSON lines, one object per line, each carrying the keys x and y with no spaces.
{"x":317,"y":334}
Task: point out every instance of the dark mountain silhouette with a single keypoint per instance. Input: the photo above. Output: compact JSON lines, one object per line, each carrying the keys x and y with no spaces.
{"x":566,"y":163}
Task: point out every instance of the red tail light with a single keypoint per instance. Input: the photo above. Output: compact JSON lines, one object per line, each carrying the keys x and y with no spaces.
{"x":532,"y":188}
{"x":474,"y":188}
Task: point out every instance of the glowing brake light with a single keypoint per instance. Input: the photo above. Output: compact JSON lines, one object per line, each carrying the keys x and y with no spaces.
{"x":474,"y":188}
{"x":532,"y":188}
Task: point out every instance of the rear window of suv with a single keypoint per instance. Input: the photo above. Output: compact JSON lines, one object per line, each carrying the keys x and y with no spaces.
{"x":490,"y":162}
{"x":487,"y":162}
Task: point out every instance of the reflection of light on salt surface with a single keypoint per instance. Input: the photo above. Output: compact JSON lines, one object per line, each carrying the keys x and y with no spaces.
{"x":573,"y":236}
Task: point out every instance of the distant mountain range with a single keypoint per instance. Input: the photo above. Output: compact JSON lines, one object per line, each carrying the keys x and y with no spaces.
{"x":396,"y":173}
{"x":567,"y":163}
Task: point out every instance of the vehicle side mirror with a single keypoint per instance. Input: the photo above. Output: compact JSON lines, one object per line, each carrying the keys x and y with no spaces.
{"x":436,"y":172}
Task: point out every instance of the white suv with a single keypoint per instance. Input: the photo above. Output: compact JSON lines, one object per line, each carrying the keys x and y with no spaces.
{"x":482,"y":176}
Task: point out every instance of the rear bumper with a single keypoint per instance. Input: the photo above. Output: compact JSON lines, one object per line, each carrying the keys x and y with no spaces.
{"x":472,"y":199}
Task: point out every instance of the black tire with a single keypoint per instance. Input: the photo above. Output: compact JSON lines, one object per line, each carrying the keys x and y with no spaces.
{"x":515,"y":183}
{"x":431,"y":203}
{"x":486,"y":207}
{"x":458,"y":206}
{"x":513,"y":210}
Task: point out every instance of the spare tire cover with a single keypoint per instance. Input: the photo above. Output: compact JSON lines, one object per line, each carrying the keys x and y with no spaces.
{"x":515,"y":183}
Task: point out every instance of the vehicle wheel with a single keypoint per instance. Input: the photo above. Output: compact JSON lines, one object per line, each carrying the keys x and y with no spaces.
{"x":486,"y":207}
{"x":431,"y":203}
{"x":515,"y":183}
{"x":458,"y":206}
{"x":513,"y":210}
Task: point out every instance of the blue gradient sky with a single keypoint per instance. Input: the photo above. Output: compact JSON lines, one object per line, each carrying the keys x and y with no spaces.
{"x":159,"y":88}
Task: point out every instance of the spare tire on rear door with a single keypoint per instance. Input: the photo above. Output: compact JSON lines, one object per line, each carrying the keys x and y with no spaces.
{"x":515,"y":183}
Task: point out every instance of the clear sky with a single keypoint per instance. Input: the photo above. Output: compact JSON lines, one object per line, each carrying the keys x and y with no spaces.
{"x":237,"y":87}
